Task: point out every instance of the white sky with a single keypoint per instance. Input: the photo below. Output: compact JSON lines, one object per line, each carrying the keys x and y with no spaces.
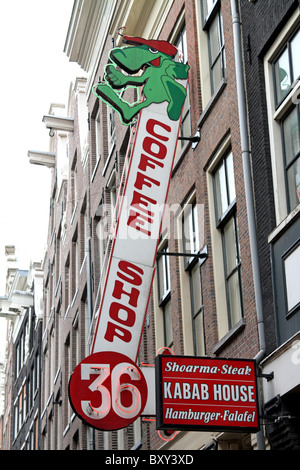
{"x":35,"y":72}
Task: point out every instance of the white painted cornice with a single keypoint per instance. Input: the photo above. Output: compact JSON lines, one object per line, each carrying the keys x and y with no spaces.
{"x":88,"y":28}
{"x":92,"y":21}
{"x":58,"y":123}
{"x":41,"y":158}
{"x":11,"y":307}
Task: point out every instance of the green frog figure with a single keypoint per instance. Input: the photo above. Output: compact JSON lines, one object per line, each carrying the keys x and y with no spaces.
{"x":149,"y":63}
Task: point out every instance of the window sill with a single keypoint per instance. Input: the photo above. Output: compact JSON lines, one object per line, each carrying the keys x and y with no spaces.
{"x":180,"y":157}
{"x":95,"y":169}
{"x":203,"y":117}
{"x":107,"y":162}
{"x":284,"y":225}
{"x":214,"y":99}
{"x":229,"y":336}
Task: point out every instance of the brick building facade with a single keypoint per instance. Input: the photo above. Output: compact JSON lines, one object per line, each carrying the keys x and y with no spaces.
{"x":22,"y":308}
{"x":205,"y":320}
{"x":272,"y":82}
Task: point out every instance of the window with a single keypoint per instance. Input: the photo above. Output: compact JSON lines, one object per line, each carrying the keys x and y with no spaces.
{"x":16,"y":418}
{"x":112,"y":197}
{"x":17,"y":359}
{"x":192,"y":267}
{"x":25,"y":398}
{"x":185,"y":128}
{"x":226,"y":222}
{"x":290,"y":129}
{"x":292,"y":272}
{"x":282,"y":73}
{"x":111,"y":128}
{"x":212,"y":23}
{"x":37,"y":372}
{"x":20,"y":354}
{"x":75,"y":264}
{"x":164,"y":295}
{"x":84,"y":225}
{"x":99,"y":237}
{"x":286,"y":67}
{"x":68,"y":369}
{"x":76,"y":339}
{"x":74,"y":194}
{"x":98,"y":135}
{"x":36,"y":433}
{"x":67,"y":284}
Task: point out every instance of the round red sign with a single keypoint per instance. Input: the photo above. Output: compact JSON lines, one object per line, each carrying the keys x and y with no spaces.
{"x":108,"y":391}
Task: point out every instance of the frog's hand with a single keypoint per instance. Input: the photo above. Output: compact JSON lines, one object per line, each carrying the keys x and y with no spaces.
{"x":178,"y":70}
{"x":107,"y":94}
{"x":115,"y":77}
{"x":176,"y":94}
{"x":118,"y":80}
{"x":127,"y":112}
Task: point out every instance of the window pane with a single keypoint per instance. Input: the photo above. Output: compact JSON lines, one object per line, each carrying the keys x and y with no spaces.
{"x":98,"y":137}
{"x":196,"y":289}
{"x":168,"y":325}
{"x":163,"y":275}
{"x":199,"y":332}
{"x":183,"y":45}
{"x":293,"y":177}
{"x":207,"y":6}
{"x":295,"y":48}
{"x":230,"y":178}
{"x":185,"y":126}
{"x":195,"y":229}
{"x":160,"y":277}
{"x":230,"y":246}
{"x":234,"y":299}
{"x":292,"y":274}
{"x":224,"y":185}
{"x":217,"y":73}
{"x":282,"y":75}
{"x":291,"y":136}
{"x":190,"y":229}
{"x":221,"y":191}
{"x":215,"y":40}
{"x":217,"y":60}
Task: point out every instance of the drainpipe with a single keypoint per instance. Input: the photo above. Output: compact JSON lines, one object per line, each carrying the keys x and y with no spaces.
{"x":90,"y":312}
{"x":246,"y":156}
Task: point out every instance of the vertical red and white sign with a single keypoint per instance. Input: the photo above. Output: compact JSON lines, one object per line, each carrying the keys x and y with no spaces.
{"x":128,"y":282}
{"x":129,"y":277}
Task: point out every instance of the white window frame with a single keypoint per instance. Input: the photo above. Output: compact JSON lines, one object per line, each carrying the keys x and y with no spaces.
{"x":185,"y":264}
{"x":217,"y":243}
{"x":157,"y":304}
{"x":164,"y":298}
{"x":275,"y":116}
{"x":207,"y":90}
{"x":98,"y":137}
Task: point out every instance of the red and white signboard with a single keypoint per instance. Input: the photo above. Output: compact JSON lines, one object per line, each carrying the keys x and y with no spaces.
{"x":131,"y":267}
{"x":107,"y":389}
{"x":199,"y":393}
{"x":96,"y":386}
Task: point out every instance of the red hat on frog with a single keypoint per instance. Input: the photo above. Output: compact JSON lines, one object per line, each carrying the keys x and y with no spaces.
{"x":162,"y":46}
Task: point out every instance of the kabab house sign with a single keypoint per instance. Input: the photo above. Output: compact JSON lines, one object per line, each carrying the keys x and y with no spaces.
{"x":200,"y":393}
{"x":107,"y":389}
